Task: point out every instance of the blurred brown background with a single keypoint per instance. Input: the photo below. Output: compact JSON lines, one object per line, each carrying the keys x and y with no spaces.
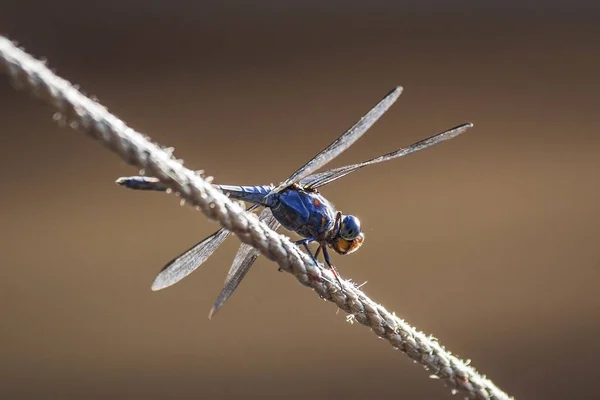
{"x":489,"y":242}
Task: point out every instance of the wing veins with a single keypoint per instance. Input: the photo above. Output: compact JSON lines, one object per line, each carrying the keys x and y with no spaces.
{"x":188,"y":261}
{"x":323,"y":178}
{"x":343,"y":142}
{"x":243,"y":261}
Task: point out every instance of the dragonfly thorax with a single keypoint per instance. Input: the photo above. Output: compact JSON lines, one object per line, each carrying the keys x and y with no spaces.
{"x":307,"y":213}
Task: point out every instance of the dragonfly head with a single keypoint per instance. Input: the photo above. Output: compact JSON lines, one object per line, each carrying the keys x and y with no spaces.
{"x":349,"y":238}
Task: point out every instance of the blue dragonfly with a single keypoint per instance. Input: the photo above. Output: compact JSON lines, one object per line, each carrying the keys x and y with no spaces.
{"x":295,"y":204}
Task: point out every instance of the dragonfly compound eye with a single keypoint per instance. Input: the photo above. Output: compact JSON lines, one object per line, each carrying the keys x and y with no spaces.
{"x":350,"y":228}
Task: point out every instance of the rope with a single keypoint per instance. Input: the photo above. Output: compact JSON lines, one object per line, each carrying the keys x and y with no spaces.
{"x":81,"y":112}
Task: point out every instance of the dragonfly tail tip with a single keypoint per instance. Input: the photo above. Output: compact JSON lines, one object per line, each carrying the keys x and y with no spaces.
{"x":397,"y":91}
{"x":157,"y":285}
{"x":211,"y":313}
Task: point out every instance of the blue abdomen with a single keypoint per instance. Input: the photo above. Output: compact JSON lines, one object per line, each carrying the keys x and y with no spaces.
{"x":251,"y":194}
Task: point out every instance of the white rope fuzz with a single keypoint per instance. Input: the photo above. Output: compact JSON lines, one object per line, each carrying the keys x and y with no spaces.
{"x":81,"y":112}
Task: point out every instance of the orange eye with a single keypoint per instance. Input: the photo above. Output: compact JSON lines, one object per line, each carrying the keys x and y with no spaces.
{"x":343,"y":246}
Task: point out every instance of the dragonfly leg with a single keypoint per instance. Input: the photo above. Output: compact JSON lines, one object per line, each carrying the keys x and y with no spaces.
{"x":318,"y":251}
{"x":304,"y":243}
{"x":331,"y":267}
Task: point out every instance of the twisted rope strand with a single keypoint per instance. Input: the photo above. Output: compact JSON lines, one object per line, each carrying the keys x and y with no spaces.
{"x":81,"y":112}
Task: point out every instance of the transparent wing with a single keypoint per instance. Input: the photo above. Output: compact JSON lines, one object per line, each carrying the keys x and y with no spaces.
{"x":343,"y":142}
{"x":323,"y":178}
{"x":187,"y":262}
{"x":244,"y":259}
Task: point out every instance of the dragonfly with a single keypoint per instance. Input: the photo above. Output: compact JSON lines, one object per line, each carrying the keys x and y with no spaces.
{"x":295,"y":203}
